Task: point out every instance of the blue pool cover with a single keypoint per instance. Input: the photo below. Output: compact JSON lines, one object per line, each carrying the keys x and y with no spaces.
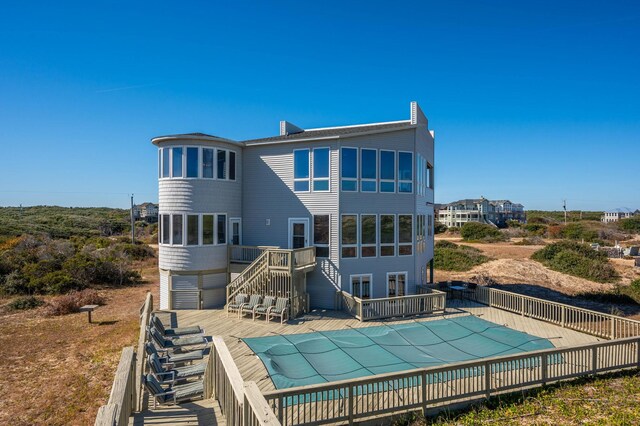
{"x":327,"y":356}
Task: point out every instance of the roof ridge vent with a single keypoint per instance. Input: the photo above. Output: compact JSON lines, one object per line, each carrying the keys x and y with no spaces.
{"x":287,"y":128}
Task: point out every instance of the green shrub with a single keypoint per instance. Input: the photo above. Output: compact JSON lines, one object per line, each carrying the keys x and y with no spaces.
{"x":631,"y":224}
{"x":137,"y":251}
{"x":476,"y":231}
{"x":452,"y":257}
{"x":576,"y":259}
{"x":578,"y":231}
{"x":439,"y":228}
{"x":72,"y":302}
{"x":25,"y":302}
{"x":57,"y":282}
{"x":535,"y":228}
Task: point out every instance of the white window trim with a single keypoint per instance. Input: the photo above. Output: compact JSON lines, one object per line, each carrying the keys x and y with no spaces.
{"x":356,"y":245}
{"x":214,"y":167}
{"x":395,"y":172}
{"x":361,"y":245}
{"x":186,"y":228}
{"x":312,"y":174}
{"x":350,"y":179}
{"x":398,"y":234}
{"x":375,"y":168}
{"x":400,"y":181}
{"x":293,"y":170}
{"x":395,"y":234}
{"x":215,"y":228}
{"x":406,"y":282}
{"x":360,"y":276}
{"x":313,"y":234}
{"x":184,"y":161}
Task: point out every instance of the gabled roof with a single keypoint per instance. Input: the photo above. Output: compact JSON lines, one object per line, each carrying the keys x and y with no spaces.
{"x":335,"y":132}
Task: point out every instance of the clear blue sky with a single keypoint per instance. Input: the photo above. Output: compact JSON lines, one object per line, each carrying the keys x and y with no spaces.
{"x":532,"y":101}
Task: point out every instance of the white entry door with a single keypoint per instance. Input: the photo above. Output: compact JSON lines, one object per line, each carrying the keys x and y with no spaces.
{"x":298,"y":233}
{"x":235,"y":231}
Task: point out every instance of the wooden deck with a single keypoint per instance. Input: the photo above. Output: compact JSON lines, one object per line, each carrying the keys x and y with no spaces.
{"x":231,"y":329}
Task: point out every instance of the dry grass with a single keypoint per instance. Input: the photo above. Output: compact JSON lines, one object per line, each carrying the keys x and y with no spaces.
{"x":59,"y":370}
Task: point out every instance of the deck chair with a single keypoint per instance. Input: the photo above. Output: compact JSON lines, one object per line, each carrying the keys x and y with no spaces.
{"x":168,"y":374}
{"x":166,"y":356}
{"x":173,"y":394}
{"x":174,"y":331}
{"x":240,"y":300}
{"x":165,"y":343}
{"x":281,"y":309}
{"x":254,"y":301}
{"x":261,"y":309}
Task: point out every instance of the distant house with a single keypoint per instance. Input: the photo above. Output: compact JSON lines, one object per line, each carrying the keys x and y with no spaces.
{"x":496,"y":212}
{"x":146,"y":211}
{"x":616,"y":214}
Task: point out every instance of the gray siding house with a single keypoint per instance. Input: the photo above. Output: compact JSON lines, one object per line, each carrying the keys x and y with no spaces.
{"x":362,"y":195}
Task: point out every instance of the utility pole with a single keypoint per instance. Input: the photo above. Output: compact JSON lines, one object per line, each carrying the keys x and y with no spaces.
{"x":133,"y":224}
{"x":564,"y":206}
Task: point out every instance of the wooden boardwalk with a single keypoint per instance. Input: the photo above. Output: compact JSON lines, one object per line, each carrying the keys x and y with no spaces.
{"x":231,"y":329}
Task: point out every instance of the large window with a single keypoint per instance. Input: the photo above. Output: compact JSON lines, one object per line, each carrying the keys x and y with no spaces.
{"x":361,"y":286}
{"x":165,"y":229}
{"x":396,"y":284}
{"x":430,"y":175}
{"x":321,"y":235}
{"x":349,"y":235}
{"x":222,"y":163}
{"x":321,"y":169}
{"x":232,"y":165}
{"x":192,"y":162}
{"x":405,"y":234}
{"x":349,"y":169}
{"x":222,"y":229}
{"x":208,"y":232}
{"x":301,"y":170}
{"x":387,"y":171}
{"x":405,"y":172}
{"x":387,"y":235}
{"x":368,"y":233}
{"x":207,"y":163}
{"x":176,"y":229}
{"x":176,"y":170}
{"x":166,"y":162}
{"x":193,"y":232}
{"x":368,"y":169}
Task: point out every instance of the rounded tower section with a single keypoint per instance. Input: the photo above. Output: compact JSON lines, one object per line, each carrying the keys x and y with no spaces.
{"x":200,"y":211}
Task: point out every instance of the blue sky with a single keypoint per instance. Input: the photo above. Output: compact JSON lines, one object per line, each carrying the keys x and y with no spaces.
{"x":532,"y":101}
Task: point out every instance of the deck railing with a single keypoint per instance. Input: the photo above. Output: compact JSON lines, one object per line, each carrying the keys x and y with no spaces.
{"x":566,"y":316}
{"x":122,"y":400}
{"x":348,"y":400}
{"x":145,"y":314}
{"x":244,"y":254}
{"x":389,"y":307}
{"x":241,"y":403}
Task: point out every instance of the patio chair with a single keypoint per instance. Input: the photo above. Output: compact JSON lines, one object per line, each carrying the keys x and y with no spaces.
{"x":262,"y":308}
{"x":173,"y":394}
{"x":166,"y":356}
{"x":174,"y":331}
{"x":281,"y":310}
{"x":166,"y":343}
{"x":240,"y":300}
{"x":254,"y":301}
{"x":166,"y":373}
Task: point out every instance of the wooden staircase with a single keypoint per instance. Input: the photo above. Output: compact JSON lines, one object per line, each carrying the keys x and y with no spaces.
{"x":273,"y":272}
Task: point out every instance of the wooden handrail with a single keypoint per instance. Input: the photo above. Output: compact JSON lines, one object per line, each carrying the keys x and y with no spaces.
{"x":122,"y":399}
{"x":389,"y":307}
{"x":145,"y":314}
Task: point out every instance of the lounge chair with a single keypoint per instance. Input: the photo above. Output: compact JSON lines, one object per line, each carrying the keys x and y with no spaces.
{"x":166,"y":343}
{"x":173,"y":394}
{"x":174,"y":331}
{"x":281,"y":310}
{"x":247,"y":308}
{"x":173,"y":358}
{"x":166,"y":373}
{"x":262,"y":308}
{"x":240,"y":300}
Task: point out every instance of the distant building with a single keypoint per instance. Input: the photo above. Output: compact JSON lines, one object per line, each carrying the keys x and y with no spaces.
{"x":146,"y":211}
{"x":493,"y":212}
{"x":615,"y":215}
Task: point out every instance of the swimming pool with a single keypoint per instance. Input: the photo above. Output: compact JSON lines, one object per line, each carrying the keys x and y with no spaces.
{"x":327,"y":356}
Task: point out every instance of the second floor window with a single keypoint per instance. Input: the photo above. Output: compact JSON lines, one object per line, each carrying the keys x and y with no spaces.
{"x":193,"y":231}
{"x":405,"y":172}
{"x":387,"y":171}
{"x":222,"y":164}
{"x":405,"y":234}
{"x":387,"y":235}
{"x":301,"y":170}
{"x":349,"y":235}
{"x":192,"y":162}
{"x":368,"y":169}
{"x":349,"y":169}
{"x":368,"y":235}
{"x":176,"y":169}
{"x":207,"y":163}
{"x":321,"y":169}
{"x":166,"y":163}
